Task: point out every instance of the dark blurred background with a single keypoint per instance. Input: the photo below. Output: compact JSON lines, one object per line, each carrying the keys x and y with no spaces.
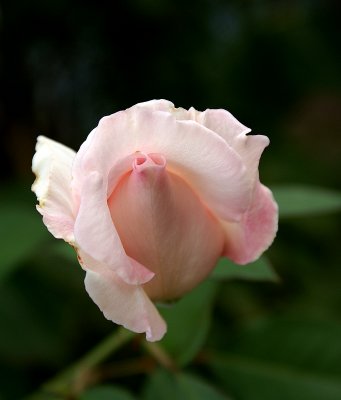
{"x":274,"y":64}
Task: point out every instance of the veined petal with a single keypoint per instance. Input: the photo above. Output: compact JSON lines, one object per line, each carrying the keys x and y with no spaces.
{"x":96,"y":235}
{"x":126,"y":305}
{"x":213,"y":168}
{"x":248,"y":239}
{"x":52,"y":165}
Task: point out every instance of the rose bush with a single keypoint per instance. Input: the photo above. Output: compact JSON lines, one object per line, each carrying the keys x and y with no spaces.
{"x":154,"y":196}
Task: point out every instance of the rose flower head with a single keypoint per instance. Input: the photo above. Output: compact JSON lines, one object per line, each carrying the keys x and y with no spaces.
{"x":151,"y":201}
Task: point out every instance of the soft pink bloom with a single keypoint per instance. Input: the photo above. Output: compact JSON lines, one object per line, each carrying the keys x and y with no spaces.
{"x":152,"y":199}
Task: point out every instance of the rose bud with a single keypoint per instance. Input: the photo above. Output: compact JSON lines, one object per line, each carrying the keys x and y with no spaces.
{"x":153,"y":198}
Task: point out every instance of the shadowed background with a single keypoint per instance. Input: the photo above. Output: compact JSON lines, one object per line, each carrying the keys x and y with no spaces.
{"x":273,"y":65}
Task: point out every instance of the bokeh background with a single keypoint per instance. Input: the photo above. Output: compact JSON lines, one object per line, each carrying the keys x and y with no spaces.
{"x":276,"y":66}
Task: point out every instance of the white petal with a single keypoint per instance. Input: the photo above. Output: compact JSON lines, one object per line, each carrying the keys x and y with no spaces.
{"x":52,"y":165}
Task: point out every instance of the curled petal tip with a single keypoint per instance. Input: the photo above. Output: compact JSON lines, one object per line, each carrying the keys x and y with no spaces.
{"x":149,"y":161}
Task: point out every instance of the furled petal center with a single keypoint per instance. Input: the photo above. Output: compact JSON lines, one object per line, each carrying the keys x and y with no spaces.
{"x":153,"y":160}
{"x":163,"y":225}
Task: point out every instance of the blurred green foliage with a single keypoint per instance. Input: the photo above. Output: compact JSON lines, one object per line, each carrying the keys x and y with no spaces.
{"x":105,"y":393}
{"x":165,"y":386}
{"x":259,"y":270}
{"x":244,"y":334}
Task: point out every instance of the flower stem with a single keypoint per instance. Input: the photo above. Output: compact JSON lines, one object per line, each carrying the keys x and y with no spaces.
{"x":72,"y":380}
{"x":161,"y":356}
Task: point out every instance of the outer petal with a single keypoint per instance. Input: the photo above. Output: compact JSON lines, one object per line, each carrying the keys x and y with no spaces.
{"x":157,"y":105}
{"x":246,"y":240}
{"x":96,"y":235}
{"x":77,"y":185}
{"x":222,"y":123}
{"x":52,"y":165}
{"x":124,"y":304}
{"x":200,"y":156}
{"x":230,"y":129}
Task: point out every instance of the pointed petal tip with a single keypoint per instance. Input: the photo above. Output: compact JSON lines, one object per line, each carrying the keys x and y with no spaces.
{"x":152,"y":336}
{"x":125,"y":305}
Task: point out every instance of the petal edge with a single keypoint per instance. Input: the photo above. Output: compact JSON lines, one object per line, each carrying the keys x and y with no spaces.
{"x":124,"y":304}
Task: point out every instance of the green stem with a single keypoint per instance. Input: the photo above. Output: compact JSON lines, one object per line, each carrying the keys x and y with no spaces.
{"x":71,"y":380}
{"x":161,"y":356}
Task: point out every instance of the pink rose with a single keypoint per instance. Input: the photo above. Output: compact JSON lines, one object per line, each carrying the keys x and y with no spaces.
{"x":154,"y":196}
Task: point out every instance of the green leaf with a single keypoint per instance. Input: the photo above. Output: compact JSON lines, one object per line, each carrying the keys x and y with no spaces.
{"x":188,"y":322}
{"x":106,"y":392}
{"x":21,"y":232}
{"x":259,"y":270}
{"x":282,"y":359}
{"x":297,"y":200}
{"x":163,"y":385}
{"x":253,"y":380}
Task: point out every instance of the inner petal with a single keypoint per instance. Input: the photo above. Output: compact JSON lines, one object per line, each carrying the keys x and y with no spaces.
{"x":143,"y":161}
{"x":163,"y":225}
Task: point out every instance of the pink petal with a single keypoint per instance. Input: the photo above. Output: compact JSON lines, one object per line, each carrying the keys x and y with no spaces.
{"x":157,"y":105}
{"x":52,"y":165}
{"x":248,"y":239}
{"x":124,"y":304}
{"x":234,"y":133}
{"x":96,"y":235}
{"x":224,"y":123}
{"x":164,"y":226}
{"x":200,"y":156}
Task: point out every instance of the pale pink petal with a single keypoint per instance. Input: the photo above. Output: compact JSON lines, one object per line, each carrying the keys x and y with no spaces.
{"x":96,"y":235}
{"x":222,"y":122}
{"x":246,"y":240}
{"x":124,"y":304}
{"x":249,"y":147}
{"x":164,"y":226}
{"x":232,"y":131}
{"x":52,"y":165}
{"x":157,"y":105}
{"x":201,"y":157}
{"x":76,"y":184}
